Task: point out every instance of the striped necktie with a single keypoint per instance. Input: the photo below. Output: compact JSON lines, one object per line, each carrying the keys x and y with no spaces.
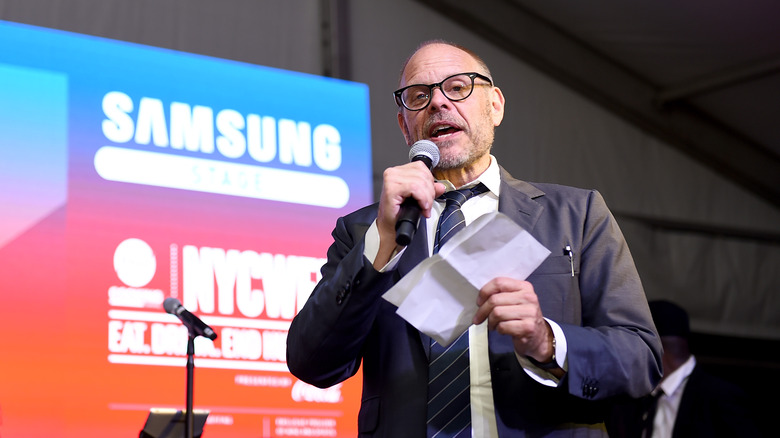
{"x":449,"y":413}
{"x":451,"y":220}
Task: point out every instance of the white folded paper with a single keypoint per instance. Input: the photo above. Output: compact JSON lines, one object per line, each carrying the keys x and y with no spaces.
{"x":439,"y":296}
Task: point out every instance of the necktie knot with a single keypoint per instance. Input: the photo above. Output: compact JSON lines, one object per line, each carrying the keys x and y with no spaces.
{"x":452,"y":219}
{"x":458,"y":197}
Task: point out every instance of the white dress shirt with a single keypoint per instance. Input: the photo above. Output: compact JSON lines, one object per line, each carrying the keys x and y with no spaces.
{"x":483,"y":418}
{"x":672,"y":387}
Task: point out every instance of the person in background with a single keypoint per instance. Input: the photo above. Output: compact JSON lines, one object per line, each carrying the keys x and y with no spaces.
{"x":545,"y":354}
{"x":689,"y":402}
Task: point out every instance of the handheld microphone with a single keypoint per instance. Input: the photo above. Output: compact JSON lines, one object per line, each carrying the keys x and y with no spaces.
{"x":409,"y":216}
{"x":193,"y":323}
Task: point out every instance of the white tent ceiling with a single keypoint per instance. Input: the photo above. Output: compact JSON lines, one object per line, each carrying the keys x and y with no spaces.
{"x":704,"y":75}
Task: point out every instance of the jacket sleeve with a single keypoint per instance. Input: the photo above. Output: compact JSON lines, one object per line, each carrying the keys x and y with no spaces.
{"x":326,"y":338}
{"x":614,"y":349}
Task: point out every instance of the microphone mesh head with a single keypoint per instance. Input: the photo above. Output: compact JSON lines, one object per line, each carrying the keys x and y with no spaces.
{"x":170,"y":304}
{"x":427,"y":148}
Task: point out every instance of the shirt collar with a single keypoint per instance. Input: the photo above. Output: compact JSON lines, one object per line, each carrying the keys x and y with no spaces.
{"x":675,"y":379}
{"x":491,"y":178}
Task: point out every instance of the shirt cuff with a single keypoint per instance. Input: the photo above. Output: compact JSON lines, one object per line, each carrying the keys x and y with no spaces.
{"x":371,"y":248}
{"x":540,"y":375}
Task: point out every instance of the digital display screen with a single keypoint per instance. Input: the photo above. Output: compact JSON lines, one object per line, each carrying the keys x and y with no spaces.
{"x":129,"y":174}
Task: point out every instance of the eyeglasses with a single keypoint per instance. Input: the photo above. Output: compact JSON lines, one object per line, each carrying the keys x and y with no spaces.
{"x":455,"y":88}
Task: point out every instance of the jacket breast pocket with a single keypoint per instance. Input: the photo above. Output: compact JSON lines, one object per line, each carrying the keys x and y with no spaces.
{"x":557,"y":289}
{"x":554,"y":265}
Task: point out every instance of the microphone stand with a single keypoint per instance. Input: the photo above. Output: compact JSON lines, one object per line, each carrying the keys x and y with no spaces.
{"x":189,"y":419}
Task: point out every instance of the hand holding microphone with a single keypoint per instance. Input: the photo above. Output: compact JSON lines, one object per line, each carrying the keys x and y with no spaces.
{"x":409,"y":215}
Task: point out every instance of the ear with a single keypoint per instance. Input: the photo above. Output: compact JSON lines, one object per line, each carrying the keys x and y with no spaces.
{"x":404,"y":127}
{"x":497,"y":103}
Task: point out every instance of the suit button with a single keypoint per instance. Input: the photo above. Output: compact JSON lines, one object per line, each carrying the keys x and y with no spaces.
{"x":342,"y":293}
{"x":590,"y":388}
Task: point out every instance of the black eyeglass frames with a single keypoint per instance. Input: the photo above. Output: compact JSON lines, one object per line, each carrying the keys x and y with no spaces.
{"x":455,"y":88}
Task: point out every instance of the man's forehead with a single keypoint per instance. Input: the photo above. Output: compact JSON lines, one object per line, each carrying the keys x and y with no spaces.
{"x":434,"y":60}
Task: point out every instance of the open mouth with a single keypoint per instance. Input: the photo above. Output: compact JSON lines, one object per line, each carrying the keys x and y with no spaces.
{"x":443,"y":130}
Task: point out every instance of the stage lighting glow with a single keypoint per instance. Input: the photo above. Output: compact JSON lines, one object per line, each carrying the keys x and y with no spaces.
{"x":131,"y":174}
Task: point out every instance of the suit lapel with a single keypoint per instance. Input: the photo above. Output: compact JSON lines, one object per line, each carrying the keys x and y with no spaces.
{"x":516,"y":200}
{"x":416,"y":252}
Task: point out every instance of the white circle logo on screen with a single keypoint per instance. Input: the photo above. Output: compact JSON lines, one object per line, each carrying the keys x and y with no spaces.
{"x":134,"y":262}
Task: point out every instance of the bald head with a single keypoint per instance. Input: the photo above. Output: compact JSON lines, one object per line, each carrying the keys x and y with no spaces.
{"x":431,"y":45}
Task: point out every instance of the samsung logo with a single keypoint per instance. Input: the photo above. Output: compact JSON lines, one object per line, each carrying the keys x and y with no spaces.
{"x":246,"y":141}
{"x":227,"y":132}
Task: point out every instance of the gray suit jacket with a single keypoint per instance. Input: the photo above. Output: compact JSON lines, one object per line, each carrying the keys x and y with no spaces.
{"x":613,"y":348}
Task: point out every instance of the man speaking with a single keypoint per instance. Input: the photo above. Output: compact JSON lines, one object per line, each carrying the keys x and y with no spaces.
{"x":544,"y":355}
